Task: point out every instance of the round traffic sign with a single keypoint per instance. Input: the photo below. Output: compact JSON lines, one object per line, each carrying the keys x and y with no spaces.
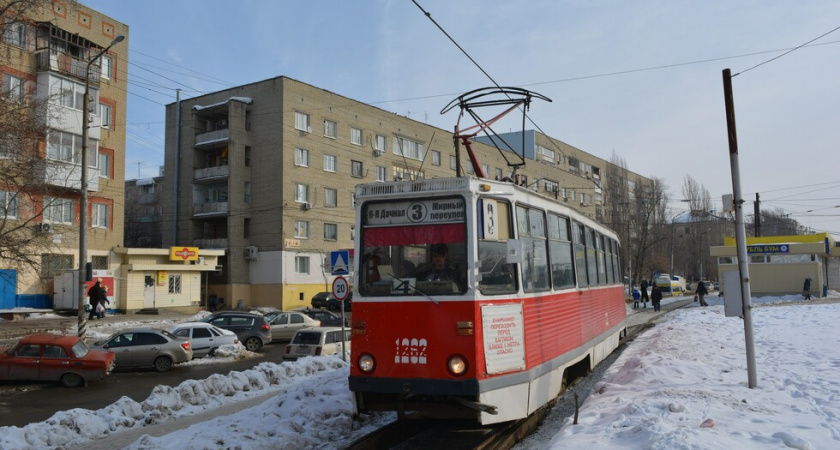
{"x":340,"y":288}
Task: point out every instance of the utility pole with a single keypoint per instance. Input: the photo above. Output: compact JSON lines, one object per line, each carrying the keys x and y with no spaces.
{"x":757,"y":212}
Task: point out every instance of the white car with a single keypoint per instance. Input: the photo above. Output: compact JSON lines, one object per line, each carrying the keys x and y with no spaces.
{"x":316,"y":342}
{"x":205,"y":338}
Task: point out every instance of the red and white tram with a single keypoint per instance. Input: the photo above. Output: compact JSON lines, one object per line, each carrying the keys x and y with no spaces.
{"x":477,"y":298}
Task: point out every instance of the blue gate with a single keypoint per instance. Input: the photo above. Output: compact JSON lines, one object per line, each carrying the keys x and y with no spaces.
{"x":8,"y":288}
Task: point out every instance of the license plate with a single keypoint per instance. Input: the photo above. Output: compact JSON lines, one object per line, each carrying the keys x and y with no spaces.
{"x":302,"y":350}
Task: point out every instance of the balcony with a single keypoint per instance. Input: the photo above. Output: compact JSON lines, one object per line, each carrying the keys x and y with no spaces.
{"x":211,"y":243}
{"x":67,"y":175}
{"x":211,"y":209}
{"x":211,"y":173}
{"x":53,"y":61}
{"x":147,"y":198}
{"x":212,"y":137}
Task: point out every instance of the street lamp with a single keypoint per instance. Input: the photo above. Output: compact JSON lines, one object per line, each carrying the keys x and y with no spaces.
{"x":82,"y":322}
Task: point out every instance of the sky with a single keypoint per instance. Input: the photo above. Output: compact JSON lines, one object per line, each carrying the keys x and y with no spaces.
{"x":639,"y":80}
{"x":681,"y":384}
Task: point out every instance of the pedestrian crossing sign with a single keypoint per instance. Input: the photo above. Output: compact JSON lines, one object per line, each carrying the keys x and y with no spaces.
{"x":340,"y":261}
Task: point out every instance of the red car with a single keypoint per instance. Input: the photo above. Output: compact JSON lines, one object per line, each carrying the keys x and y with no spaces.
{"x":53,"y":357}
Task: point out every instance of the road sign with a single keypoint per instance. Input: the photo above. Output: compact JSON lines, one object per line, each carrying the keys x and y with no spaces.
{"x":340,"y":260}
{"x":340,"y":288}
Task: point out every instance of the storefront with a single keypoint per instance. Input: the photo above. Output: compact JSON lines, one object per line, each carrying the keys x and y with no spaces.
{"x":779,"y":265}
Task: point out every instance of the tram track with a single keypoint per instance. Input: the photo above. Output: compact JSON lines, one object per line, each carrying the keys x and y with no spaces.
{"x":412,"y":434}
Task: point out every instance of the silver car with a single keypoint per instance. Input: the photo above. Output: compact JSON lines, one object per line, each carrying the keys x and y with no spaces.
{"x":284,"y":324}
{"x":204,"y":337}
{"x":147,"y":347}
{"x":318,"y":342}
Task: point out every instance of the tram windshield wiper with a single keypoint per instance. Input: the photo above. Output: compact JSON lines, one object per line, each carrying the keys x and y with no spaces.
{"x":405,"y":285}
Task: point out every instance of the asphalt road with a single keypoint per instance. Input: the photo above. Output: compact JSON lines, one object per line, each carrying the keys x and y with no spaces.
{"x":24,"y":403}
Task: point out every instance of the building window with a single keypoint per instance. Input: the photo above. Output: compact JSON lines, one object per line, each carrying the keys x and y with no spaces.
{"x":330,"y":231}
{"x":99,"y":215}
{"x":330,"y":129}
{"x":381,"y":144}
{"x":408,"y":148}
{"x":435,"y":158}
{"x":552,"y":186}
{"x":71,"y":94}
{"x":330,"y":162}
{"x":8,"y":204}
{"x":247,"y":192}
{"x":99,"y":262}
{"x":301,"y":229}
{"x":15,"y":33}
{"x":301,"y":264}
{"x":105,"y":112}
{"x":302,"y":122}
{"x":355,"y":136}
{"x":246,"y":228}
{"x":453,"y":162}
{"x":174,"y":284}
{"x":65,"y":147}
{"x":13,"y":88}
{"x":356,"y":169}
{"x":106,"y":64}
{"x":486,"y":169}
{"x":301,"y":193}
{"x":247,"y":156}
{"x":53,"y":265}
{"x":301,"y":157}
{"x":545,"y":154}
{"x":499,"y":174}
{"x":104,"y":165}
{"x":58,"y":210}
{"x":330,"y":198}
{"x":381,"y":173}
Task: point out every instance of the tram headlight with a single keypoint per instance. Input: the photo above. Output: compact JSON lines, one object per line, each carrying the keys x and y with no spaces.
{"x":366,"y":363}
{"x":457,"y":365}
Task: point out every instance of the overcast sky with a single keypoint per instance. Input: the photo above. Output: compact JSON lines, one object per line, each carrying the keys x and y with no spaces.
{"x":641,"y":80}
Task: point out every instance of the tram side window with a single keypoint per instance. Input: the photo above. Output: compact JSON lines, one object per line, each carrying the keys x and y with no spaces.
{"x":602,"y":260}
{"x":531,"y":221}
{"x":496,"y":276}
{"x":617,"y":261}
{"x":560,"y":252}
{"x":613,"y":247}
{"x":591,"y":261}
{"x":580,"y":253}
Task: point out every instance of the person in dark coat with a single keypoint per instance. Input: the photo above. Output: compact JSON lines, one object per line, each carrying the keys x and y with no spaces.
{"x":702,"y":292}
{"x":103,"y":300}
{"x":656,"y":298}
{"x":645,"y":297}
{"x":95,"y":294}
{"x":806,"y":289}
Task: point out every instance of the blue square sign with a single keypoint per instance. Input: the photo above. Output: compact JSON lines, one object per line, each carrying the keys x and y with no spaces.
{"x":340,"y":262}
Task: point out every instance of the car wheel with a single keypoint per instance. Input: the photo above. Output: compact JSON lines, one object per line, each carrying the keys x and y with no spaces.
{"x":72,"y":380}
{"x":212,"y":352}
{"x":253,"y":344}
{"x":163,"y":363}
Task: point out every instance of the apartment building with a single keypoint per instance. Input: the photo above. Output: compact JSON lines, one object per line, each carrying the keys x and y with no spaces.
{"x":267,"y":171}
{"x":48,"y":53}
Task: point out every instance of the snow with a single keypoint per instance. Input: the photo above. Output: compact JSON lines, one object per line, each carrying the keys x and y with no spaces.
{"x":681,"y":384}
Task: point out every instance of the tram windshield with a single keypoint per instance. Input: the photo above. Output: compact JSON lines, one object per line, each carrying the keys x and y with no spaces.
{"x":415,"y":247}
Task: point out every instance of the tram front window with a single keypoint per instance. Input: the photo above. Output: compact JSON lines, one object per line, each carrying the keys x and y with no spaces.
{"x":437,"y":268}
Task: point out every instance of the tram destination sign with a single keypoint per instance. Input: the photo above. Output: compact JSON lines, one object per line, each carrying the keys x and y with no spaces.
{"x":413,"y":212}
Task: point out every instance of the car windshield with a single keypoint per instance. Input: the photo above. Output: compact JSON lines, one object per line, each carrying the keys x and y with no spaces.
{"x":307,"y":338}
{"x":80,"y":349}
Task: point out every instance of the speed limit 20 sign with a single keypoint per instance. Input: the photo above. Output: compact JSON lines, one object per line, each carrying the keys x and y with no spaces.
{"x":340,"y":288}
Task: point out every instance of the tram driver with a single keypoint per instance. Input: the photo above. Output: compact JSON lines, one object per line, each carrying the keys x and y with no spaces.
{"x":439,"y":268}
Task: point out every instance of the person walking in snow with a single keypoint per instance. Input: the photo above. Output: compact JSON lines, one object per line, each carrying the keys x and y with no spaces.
{"x":806,"y":289}
{"x":702,"y":292}
{"x":95,"y":293}
{"x":645,"y":297}
{"x":636,"y":296}
{"x":656,"y":298}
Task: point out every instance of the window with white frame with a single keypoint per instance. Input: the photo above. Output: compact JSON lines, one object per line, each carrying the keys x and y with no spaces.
{"x":104,"y":165}
{"x":330,"y":129}
{"x":62,"y":146}
{"x":105,"y":115}
{"x":435,"y":158}
{"x":381,"y":143}
{"x":330,"y":231}
{"x":551,"y":186}
{"x":486,"y":169}
{"x":301,"y":193}
{"x":453,"y":162}
{"x":58,"y":210}
{"x":99,"y":215}
{"x":13,"y":88}
{"x":355,"y":136}
{"x":499,"y":174}
{"x":174,"y":284}
{"x":105,"y":64}
{"x":357,"y":169}
{"x":301,"y":229}
{"x":302,"y":122}
{"x":301,"y":157}
{"x":68,"y":93}
{"x":330,"y":198}
{"x":8,"y":204}
{"x":14,"y":33}
{"x":381,"y":173}
{"x":408,"y":148}
{"x":301,"y":264}
{"x":330,"y":163}
{"x":545,"y":154}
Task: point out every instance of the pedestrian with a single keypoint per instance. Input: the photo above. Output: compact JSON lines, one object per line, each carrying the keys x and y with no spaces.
{"x":636,"y":296}
{"x":806,"y":290}
{"x":645,"y":297}
{"x":701,"y":292}
{"x":94,"y":294}
{"x":103,"y":300}
{"x":656,"y":298}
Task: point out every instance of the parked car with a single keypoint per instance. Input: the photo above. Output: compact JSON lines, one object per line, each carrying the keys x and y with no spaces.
{"x":284,"y":324}
{"x":327,"y":318}
{"x":316,"y":342}
{"x":251,"y":328}
{"x":204,"y":337}
{"x":334,"y":304}
{"x":147,"y":347}
{"x":321,"y":299}
{"x":52,"y":357}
